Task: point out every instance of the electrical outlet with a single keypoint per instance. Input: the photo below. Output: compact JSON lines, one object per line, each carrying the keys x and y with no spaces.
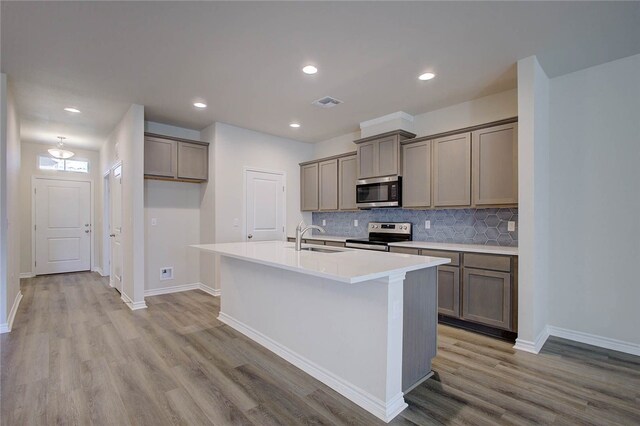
{"x":166,"y":273}
{"x":511,"y":226}
{"x":324,"y":222}
{"x":355,"y":222}
{"x":427,"y":224}
{"x":154,"y":221}
{"x":236,"y":223}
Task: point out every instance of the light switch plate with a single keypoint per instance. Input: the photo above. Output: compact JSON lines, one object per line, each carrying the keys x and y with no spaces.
{"x":324,"y":222}
{"x":511,"y":226}
{"x":355,"y":222}
{"x":236,"y":222}
{"x":427,"y":224}
{"x":154,"y":221}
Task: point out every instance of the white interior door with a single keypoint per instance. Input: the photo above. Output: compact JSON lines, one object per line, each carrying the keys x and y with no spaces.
{"x":265,"y":206}
{"x":62,"y":226}
{"x":115,"y":232}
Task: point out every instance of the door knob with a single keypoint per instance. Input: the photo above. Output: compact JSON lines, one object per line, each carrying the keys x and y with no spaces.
{"x":86,"y":224}
{"x":112,"y":235}
{"x":86,"y":231}
{"x":249,"y":236}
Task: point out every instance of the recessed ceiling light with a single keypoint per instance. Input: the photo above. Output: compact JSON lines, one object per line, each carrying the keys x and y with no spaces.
{"x":294,"y":125}
{"x":309,"y":69}
{"x":71,"y":109}
{"x":426,"y":76}
{"x":199,"y":105}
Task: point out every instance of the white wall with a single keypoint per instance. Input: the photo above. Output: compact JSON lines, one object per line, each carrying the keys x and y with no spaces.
{"x":126,"y":143}
{"x":9,"y":208}
{"x":477,"y":111}
{"x":237,"y":148}
{"x":28,"y":169}
{"x":533,"y":204}
{"x":594,"y":172}
{"x":176,"y":208}
{"x":208,"y":213}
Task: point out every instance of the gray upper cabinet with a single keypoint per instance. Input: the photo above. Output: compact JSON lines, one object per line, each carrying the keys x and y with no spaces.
{"x":388,"y":157}
{"x":416,"y":170}
{"x":175,"y":159}
{"x":328,"y":189}
{"x":368,"y":160}
{"x":160,"y":157}
{"x":347,"y":176}
{"x":309,"y":187}
{"x":193,"y":161}
{"x":495,"y":165}
{"x":380,"y":155}
{"x":452,"y":171}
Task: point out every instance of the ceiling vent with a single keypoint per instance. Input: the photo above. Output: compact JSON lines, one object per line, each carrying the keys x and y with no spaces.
{"x":327,"y":102}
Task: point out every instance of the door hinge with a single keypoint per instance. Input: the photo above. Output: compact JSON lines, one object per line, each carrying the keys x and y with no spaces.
{"x":35,"y":190}
{"x":35,"y":263}
{"x":35,"y":227}
{"x":283,"y":189}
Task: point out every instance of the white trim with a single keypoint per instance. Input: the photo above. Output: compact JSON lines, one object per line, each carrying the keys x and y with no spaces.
{"x":171,"y":289}
{"x":216,"y":292}
{"x":533,"y":347}
{"x":27,"y":275}
{"x":98,"y":270}
{"x":393,"y":116}
{"x":377,"y":407}
{"x":592,"y":339}
{"x":134,"y":306}
{"x":6,"y":327}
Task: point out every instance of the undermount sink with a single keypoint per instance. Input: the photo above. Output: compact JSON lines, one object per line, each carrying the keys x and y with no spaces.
{"x":319,"y":249}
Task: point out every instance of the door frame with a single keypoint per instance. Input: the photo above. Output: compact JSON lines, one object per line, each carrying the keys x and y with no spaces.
{"x":34,"y":179}
{"x":281,"y":173}
{"x":106,"y":225}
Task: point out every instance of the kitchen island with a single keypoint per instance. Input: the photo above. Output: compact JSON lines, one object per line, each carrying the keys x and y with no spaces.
{"x":362,"y":322}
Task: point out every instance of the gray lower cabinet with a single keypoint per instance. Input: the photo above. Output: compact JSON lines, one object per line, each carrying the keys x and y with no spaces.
{"x":416,"y":180}
{"x":193,"y":161}
{"x":160,"y":157}
{"x":449,"y":291}
{"x":309,"y":187}
{"x":328,"y":181}
{"x":347,"y":176}
{"x":487,"y":297}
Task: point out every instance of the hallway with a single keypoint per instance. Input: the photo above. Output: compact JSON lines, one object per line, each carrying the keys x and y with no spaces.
{"x":78,"y":355}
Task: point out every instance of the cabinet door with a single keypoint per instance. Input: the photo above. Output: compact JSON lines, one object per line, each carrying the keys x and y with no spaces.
{"x":160,"y":157}
{"x":368,"y":160}
{"x":347,"y":176}
{"x":416,"y":174}
{"x":388,"y":153}
{"x":309,"y":187}
{"x":328,"y":188}
{"x":193,"y":161}
{"x":452,"y":170}
{"x":486,"y":297}
{"x":495,"y":165}
{"x":449,"y":291}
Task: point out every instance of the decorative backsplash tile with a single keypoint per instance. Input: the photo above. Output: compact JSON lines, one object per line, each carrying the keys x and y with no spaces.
{"x":470,"y":226}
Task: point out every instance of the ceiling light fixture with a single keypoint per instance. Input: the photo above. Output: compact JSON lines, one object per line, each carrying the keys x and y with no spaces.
{"x":199,"y":105}
{"x":72,"y":109}
{"x":294,"y":125}
{"x":59,"y":151}
{"x":310,"y":69}
{"x":426,"y":76}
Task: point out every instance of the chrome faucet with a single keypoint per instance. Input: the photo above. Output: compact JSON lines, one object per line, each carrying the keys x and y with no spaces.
{"x":301,"y":229}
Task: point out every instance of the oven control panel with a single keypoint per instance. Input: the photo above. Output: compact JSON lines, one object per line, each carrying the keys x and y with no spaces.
{"x":390,"y":227}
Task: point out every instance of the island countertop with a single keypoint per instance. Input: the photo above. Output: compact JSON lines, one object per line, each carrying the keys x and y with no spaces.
{"x":345,"y":265}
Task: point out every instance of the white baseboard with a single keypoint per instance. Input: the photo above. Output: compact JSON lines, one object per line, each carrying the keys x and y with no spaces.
{"x":98,"y":270}
{"x":6,"y":327}
{"x":172,"y":289}
{"x":134,"y":306}
{"x":385,"y":411}
{"x":535,"y":346}
{"x":212,"y":291}
{"x":592,"y":339}
{"x":27,"y":275}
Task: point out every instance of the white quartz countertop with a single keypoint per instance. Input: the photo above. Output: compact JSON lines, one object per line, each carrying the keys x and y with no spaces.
{"x":322,"y":237}
{"x":345,"y":265}
{"x":469,"y":248}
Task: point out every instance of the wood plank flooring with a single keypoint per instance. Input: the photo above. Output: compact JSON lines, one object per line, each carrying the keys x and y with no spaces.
{"x":78,"y":355}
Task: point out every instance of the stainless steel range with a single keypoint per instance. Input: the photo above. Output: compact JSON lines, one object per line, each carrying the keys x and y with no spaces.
{"x":381,"y":234}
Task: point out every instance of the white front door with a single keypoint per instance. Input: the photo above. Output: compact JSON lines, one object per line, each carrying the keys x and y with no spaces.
{"x":265,"y":206}
{"x":115,"y":226}
{"x":62,"y":226}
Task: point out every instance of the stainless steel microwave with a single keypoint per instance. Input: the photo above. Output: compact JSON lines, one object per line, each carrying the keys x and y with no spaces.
{"x":379,"y":192}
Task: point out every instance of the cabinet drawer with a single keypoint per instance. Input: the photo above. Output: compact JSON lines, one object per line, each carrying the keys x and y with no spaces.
{"x":334,"y":243}
{"x":291,"y":240}
{"x":316,"y":242}
{"x":405,"y":250}
{"x":455,"y":257}
{"x":487,"y":261}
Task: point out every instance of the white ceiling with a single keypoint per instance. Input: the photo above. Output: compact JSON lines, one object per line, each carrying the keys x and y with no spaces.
{"x":244,"y":59}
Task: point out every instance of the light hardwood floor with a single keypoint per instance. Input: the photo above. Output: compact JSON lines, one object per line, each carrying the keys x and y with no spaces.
{"x":78,"y":355}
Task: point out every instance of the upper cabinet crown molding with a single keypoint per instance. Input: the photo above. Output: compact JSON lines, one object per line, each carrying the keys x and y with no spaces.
{"x":177,"y":159}
{"x":401,"y":134}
